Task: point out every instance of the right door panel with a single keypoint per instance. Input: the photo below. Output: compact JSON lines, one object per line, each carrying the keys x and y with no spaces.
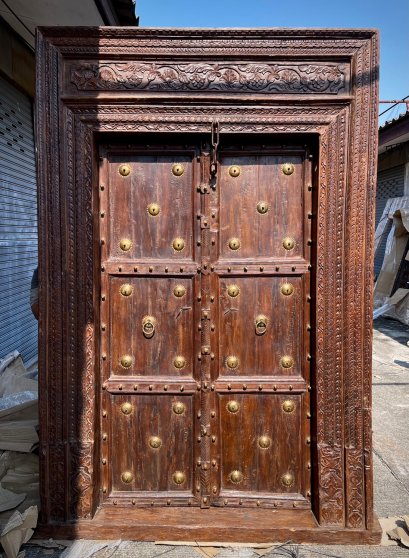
{"x":261,"y":443}
{"x":261,"y":341}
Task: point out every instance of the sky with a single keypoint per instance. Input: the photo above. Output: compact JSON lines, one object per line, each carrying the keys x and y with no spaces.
{"x":391,"y":18}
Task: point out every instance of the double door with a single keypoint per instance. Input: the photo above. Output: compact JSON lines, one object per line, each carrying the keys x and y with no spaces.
{"x":205,"y":324}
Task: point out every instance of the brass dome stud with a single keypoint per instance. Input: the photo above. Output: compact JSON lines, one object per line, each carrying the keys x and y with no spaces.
{"x":262,"y":207}
{"x":125,"y":244}
{"x":124,"y":170}
{"x":178,"y":244}
{"x":236,"y":476}
{"x":232,"y":362}
{"x":234,"y":243}
{"x":126,"y":408}
{"x":264,"y":442}
{"x":155,"y":442}
{"x":233,"y":291}
{"x":179,"y":477}
{"x":179,"y":291}
{"x":287,"y":289}
{"x":178,"y":408}
{"x":233,"y":406}
{"x":153,"y":209}
{"x":234,"y":171}
{"x":126,"y":289}
{"x":126,"y":361}
{"x":288,"y":168}
{"x":287,"y":480}
{"x":286,"y":361}
{"x":179,"y":362}
{"x":288,"y":406}
{"x":127,"y":477}
{"x":178,"y":169}
{"x":288,"y":243}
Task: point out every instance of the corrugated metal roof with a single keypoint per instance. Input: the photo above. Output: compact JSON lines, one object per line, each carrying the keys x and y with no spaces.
{"x":388,"y":123}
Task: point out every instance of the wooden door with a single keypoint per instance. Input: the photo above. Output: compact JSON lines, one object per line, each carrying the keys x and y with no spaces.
{"x":205,"y":325}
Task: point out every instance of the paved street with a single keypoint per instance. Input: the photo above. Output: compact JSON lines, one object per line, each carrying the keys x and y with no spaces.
{"x":391,"y":461}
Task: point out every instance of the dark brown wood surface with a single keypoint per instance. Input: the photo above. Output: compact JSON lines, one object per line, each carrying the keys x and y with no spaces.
{"x":266,"y":426}
{"x":264,"y":439}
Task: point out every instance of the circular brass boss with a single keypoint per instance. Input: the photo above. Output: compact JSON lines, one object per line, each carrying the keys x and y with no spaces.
{"x":288,"y":406}
{"x":233,"y":406}
{"x":287,"y":289}
{"x":288,"y":243}
{"x":286,"y":361}
{"x":264,"y":442}
{"x":126,"y":289}
{"x":232,"y":361}
{"x":262,"y":207}
{"x":124,"y":170}
{"x":125,"y":244}
{"x":126,"y":361}
{"x":178,"y":244}
{"x":155,"y":442}
{"x":287,"y":479}
{"x":127,"y":477}
{"x":179,"y":362}
{"x":178,"y":169}
{"x":178,"y":408}
{"x":179,"y":291}
{"x":236,"y":476}
{"x":126,"y":408}
{"x":233,"y":290}
{"x":288,"y":168}
{"x":234,"y":244}
{"x":153,"y":209}
{"x":234,"y":171}
{"x":179,"y":477}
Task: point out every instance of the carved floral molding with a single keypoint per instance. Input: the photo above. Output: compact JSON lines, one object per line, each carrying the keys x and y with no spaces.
{"x":281,"y":78}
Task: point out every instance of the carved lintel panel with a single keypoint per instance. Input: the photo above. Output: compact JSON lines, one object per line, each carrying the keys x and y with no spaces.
{"x":290,"y":78}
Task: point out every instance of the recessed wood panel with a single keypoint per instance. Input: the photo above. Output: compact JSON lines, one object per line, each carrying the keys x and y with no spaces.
{"x":261,"y":180}
{"x":173,"y":319}
{"x":260,"y":353}
{"x":153,"y":469}
{"x":151,"y":181}
{"x":261,"y":419}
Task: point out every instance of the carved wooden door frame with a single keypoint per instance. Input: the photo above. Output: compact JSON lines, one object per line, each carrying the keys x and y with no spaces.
{"x":92,"y":82}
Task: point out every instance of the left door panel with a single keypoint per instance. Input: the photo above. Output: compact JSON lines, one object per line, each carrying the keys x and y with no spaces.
{"x":150,"y":253}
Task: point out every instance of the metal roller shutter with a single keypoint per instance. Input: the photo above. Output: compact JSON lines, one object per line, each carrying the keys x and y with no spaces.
{"x":390,"y":184}
{"x":18,"y":223}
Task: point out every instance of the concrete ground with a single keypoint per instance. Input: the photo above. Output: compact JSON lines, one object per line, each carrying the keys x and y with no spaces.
{"x":391,"y":468}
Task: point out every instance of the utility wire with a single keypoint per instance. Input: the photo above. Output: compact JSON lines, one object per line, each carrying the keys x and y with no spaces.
{"x":18,"y":19}
{"x":386,"y":110}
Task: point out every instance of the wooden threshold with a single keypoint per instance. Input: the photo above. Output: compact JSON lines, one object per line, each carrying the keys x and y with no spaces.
{"x":238,"y":525}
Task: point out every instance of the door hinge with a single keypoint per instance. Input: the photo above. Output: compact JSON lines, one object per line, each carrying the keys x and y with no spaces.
{"x":204,"y":222}
{"x":205,"y":314}
{"x":203,"y":189}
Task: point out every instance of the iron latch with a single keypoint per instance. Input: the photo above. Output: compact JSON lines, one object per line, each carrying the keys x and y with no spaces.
{"x":215,"y":145}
